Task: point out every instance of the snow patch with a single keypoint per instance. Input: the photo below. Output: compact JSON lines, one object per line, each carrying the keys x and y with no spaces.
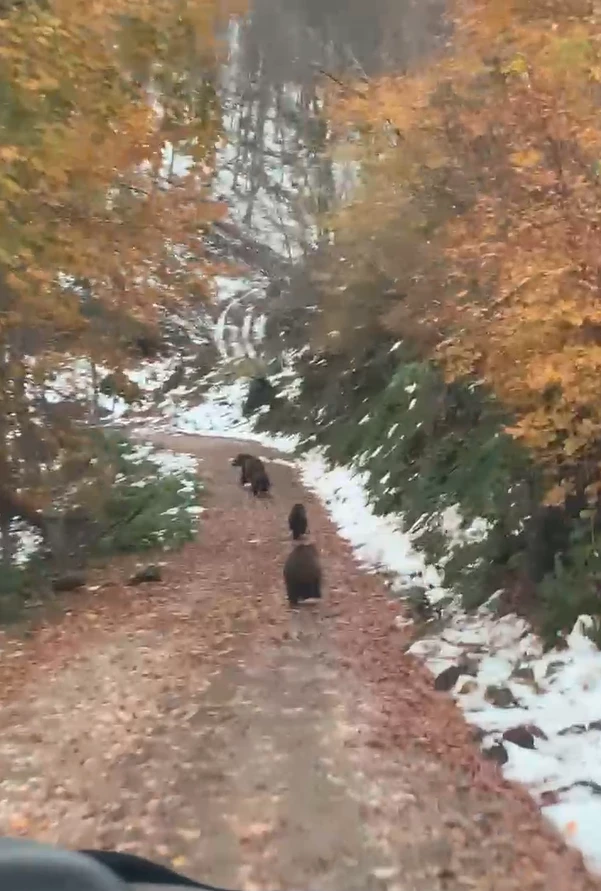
{"x":220,"y":414}
{"x":558,"y":692}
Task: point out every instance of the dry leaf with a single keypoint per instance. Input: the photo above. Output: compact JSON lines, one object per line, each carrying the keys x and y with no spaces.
{"x":189,"y":834}
{"x":19,"y":824}
{"x":179,"y":862}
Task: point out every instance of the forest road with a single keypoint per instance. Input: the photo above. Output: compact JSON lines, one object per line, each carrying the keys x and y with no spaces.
{"x":200,"y":722}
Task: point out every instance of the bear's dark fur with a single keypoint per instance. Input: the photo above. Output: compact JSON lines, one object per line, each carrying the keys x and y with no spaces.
{"x":302,"y":574}
{"x":297,"y":521}
{"x":248,"y":465}
{"x":260,"y":483}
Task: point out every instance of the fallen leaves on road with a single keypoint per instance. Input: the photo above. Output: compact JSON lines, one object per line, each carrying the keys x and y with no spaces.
{"x":158,"y":721}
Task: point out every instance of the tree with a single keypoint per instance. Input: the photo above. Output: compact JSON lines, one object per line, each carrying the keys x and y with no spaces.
{"x":108,"y":131}
{"x":480,"y":200}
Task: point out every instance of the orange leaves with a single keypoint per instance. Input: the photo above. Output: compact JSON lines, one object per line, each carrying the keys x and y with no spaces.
{"x":19,"y":824}
{"x":480,"y":199}
{"x":395,"y":102}
{"x":9,"y":153}
{"x":556,"y":496}
{"x":526,"y":158}
{"x":83,"y":181}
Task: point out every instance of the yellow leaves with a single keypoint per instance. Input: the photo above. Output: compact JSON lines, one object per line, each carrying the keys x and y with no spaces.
{"x":10,"y":187}
{"x":499,"y":260}
{"x":526,"y":158}
{"x":39,"y":84}
{"x":556,"y":496}
{"x":179,"y":862}
{"x":9,"y":153}
{"x":484,"y":20}
{"x":516,"y":65}
{"x":79,"y":176}
{"x":572,"y":445}
{"x":397,"y":102}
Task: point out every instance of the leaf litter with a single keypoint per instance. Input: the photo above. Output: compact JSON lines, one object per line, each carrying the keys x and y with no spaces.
{"x":198,"y":722}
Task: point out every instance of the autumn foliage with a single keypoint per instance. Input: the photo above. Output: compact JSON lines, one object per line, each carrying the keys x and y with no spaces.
{"x":109,"y":123}
{"x":95,"y":97}
{"x":480,"y":199}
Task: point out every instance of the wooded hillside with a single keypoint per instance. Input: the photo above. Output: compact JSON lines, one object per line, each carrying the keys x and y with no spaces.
{"x":109,"y":124}
{"x":473,"y":238}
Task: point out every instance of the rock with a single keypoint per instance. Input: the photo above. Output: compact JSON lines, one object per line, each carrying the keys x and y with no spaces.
{"x":536,"y":731}
{"x":413,"y":592}
{"x":496,"y":752}
{"x":470,"y":666}
{"x":70,"y":581}
{"x":524,"y":673}
{"x":468,"y":686}
{"x":502,"y":697}
{"x":524,"y":735}
{"x":519,"y":736}
{"x":595,"y":725}
{"x":575,"y":729}
{"x":553,"y":668}
{"x":150,"y":573}
{"x":447,"y":678}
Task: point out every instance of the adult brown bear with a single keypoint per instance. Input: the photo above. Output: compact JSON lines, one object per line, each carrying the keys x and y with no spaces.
{"x":247,"y":464}
{"x":302,"y":574}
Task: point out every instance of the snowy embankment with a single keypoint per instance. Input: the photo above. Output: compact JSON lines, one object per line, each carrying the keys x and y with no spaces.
{"x":506,"y":682}
{"x":550,"y":704}
{"x":73,"y":382}
{"x":219,"y":414}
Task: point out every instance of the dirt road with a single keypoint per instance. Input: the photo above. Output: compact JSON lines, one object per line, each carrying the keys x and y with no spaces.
{"x":199,"y":722}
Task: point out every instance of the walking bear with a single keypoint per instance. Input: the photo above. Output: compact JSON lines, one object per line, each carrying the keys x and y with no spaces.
{"x":302,"y":574}
{"x":297,"y":521}
{"x":246,"y":463}
{"x":252,"y":470}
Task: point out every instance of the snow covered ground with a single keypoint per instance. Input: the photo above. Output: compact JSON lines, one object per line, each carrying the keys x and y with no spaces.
{"x":158,"y":462}
{"x":74,"y":381}
{"x":557,"y":696}
{"x":166,"y":462}
{"x":162,"y":462}
{"x":219,"y":414}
